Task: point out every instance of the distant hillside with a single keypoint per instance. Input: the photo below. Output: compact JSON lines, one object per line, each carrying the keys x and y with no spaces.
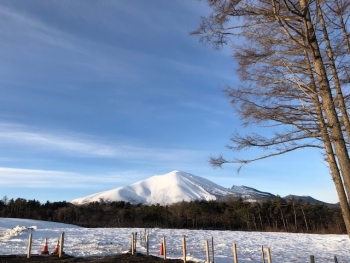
{"x":178,"y":186}
{"x":304,"y":198}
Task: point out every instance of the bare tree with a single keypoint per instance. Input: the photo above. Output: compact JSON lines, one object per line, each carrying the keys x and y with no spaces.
{"x":292,"y":81}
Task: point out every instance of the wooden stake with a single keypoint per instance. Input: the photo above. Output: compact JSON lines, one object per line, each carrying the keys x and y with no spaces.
{"x":312,"y":259}
{"x":207,"y":251}
{"x":132,"y":243}
{"x":164,"y":246}
{"x":268,"y":255}
{"x":263,"y":254}
{"x":212,"y":249}
{"x":184,"y":250}
{"x":60,"y":251}
{"x":335,"y":259}
{"x":147,"y":245}
{"x":235,"y":258}
{"x":29,"y":245}
{"x":135,"y":241}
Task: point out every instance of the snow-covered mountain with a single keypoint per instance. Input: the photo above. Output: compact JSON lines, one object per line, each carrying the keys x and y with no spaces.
{"x":164,"y":189}
{"x":170,"y":188}
{"x":174,"y":187}
{"x":248,"y":194}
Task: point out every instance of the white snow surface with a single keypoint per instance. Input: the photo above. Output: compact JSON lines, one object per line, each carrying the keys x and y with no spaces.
{"x":164,"y":189}
{"x":84,"y":242}
{"x":245,"y":191}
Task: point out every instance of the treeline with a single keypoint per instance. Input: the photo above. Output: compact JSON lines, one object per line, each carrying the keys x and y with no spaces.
{"x":270,"y":215}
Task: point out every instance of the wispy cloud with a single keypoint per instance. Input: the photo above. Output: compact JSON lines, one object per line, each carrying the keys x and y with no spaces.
{"x":14,"y":135}
{"x":31,"y":178}
{"x":30,"y":28}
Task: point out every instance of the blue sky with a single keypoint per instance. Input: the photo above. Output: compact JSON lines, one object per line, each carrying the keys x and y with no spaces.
{"x":101,"y":94}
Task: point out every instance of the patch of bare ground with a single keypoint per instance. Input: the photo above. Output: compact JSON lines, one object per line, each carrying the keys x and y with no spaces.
{"x":120,"y":258}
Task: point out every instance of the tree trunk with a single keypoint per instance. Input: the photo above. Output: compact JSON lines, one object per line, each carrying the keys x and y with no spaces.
{"x":337,"y":85}
{"x":336,"y":134}
{"x":343,"y":200}
{"x":284,"y":222}
{"x":306,"y":224}
{"x":295,"y":217}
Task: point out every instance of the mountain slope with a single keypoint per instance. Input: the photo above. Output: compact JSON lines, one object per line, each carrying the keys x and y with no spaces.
{"x":249,"y":194}
{"x":304,"y":198}
{"x":170,"y":188}
{"x":179,"y":186}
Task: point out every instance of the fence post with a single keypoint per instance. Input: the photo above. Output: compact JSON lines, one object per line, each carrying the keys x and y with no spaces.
{"x":212,"y":249}
{"x":29,"y":245}
{"x":60,"y":251}
{"x":268,"y":255}
{"x":263,"y":254}
{"x":135,"y":240}
{"x":184,"y":250}
{"x":235,"y":258}
{"x":335,"y":259}
{"x":132,"y":243}
{"x":312,"y":259}
{"x":206,"y":243}
{"x":147,"y":246}
{"x":164,"y":247}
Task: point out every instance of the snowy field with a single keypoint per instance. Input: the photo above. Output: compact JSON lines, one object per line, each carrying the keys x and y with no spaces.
{"x":84,"y":242}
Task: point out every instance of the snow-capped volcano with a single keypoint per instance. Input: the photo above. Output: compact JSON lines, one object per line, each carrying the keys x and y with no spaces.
{"x":164,"y":189}
{"x":171,"y":188}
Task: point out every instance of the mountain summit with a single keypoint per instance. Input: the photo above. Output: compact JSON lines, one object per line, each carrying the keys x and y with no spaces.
{"x":173,"y":187}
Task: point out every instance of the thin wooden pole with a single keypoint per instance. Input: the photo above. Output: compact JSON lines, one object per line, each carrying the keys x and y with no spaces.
{"x":132,"y":243}
{"x":206,"y":243}
{"x":184,"y":249}
{"x":335,"y":259}
{"x":29,"y":245}
{"x":312,"y":259}
{"x":135,"y":241}
{"x":263,"y":254}
{"x":234,"y":249}
{"x":268,"y":255}
{"x":212,"y":249}
{"x":60,"y":251}
{"x":164,"y":247}
{"x":147,"y":245}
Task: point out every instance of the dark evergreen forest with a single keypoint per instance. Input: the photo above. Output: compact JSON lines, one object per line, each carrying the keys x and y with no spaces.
{"x":270,"y":215}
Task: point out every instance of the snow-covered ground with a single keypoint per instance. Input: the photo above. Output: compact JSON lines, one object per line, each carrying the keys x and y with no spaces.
{"x":81,"y":242}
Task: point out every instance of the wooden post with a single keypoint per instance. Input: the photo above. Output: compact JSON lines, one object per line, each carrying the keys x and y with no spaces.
{"x":164,"y":246}
{"x":268,"y":255}
{"x":207,"y":251}
{"x":184,"y":249}
{"x":147,"y":245}
{"x":235,"y":258}
{"x":335,"y":259}
{"x":132,"y":243}
{"x":60,"y":251}
{"x":312,"y":259}
{"x":263,"y":254}
{"x":29,"y":245}
{"x":135,"y":241}
{"x":212,"y":249}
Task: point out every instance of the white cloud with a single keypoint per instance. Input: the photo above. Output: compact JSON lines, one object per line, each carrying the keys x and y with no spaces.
{"x":30,"y":27}
{"x":31,"y":178}
{"x":13,"y":135}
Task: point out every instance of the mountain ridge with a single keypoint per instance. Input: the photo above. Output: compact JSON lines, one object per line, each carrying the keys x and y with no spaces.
{"x":177,"y":186}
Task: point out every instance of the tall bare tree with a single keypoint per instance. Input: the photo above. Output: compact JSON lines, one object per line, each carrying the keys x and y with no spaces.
{"x":294,"y":78}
